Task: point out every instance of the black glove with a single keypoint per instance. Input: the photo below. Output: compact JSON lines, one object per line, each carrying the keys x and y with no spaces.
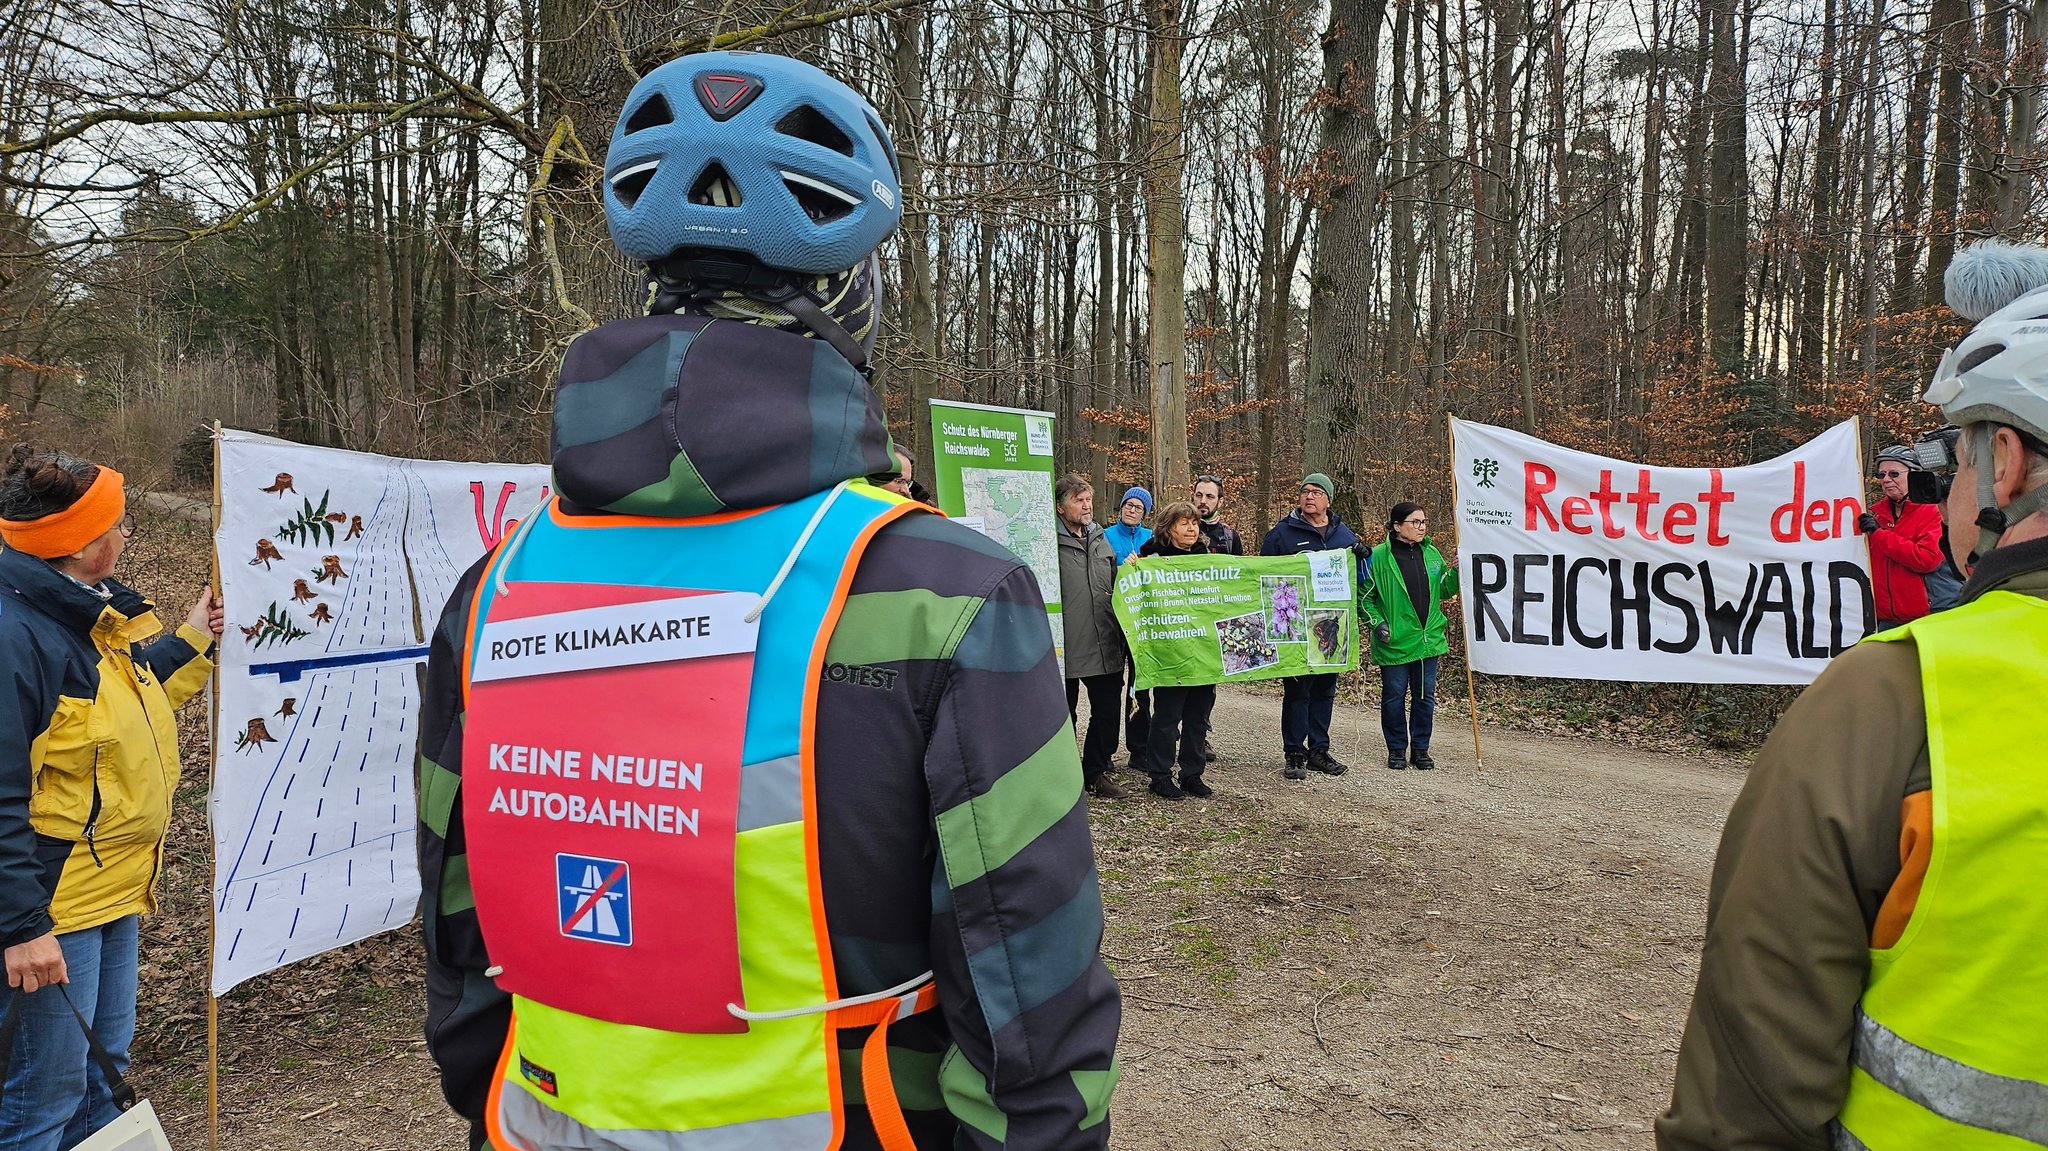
{"x":1383,"y":632}
{"x":1362,"y":550}
{"x":1866,"y":523}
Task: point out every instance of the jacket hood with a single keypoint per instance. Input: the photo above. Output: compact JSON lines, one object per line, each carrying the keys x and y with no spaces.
{"x":62,"y":599}
{"x":685,"y":415}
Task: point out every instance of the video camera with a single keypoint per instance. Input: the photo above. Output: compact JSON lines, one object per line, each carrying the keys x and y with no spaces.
{"x":1936,"y":452}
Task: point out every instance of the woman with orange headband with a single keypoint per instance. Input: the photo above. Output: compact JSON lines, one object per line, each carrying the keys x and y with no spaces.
{"x":88,"y":762}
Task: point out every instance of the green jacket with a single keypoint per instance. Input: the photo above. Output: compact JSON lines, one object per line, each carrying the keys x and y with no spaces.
{"x":1383,"y":599}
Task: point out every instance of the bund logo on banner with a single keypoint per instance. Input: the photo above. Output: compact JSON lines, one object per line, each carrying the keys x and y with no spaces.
{"x":1582,"y":567}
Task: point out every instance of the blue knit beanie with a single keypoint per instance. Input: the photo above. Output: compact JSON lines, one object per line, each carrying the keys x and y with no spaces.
{"x":1144,"y":497}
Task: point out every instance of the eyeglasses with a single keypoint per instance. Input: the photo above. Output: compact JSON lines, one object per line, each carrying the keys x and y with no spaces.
{"x":1415,"y":523}
{"x":1891,"y":475}
{"x":128,"y":524}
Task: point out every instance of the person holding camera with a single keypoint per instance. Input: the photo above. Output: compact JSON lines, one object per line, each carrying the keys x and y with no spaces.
{"x":1905,"y":540}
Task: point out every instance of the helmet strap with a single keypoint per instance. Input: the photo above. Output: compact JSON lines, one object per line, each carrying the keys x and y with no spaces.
{"x":807,"y":311}
{"x":1992,"y":519}
{"x":681,"y":281}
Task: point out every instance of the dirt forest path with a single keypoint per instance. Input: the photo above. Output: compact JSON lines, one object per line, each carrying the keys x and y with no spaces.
{"x":1378,"y":961}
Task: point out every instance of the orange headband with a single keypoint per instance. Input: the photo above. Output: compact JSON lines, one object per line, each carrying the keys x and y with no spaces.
{"x":64,"y":533}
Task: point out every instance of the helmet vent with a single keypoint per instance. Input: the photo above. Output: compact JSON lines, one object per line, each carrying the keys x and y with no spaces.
{"x":875,"y":126}
{"x":715,"y":188}
{"x":1979,"y":356}
{"x":652,"y":114}
{"x":807,"y":123}
{"x":628,"y":184}
{"x":820,"y":201}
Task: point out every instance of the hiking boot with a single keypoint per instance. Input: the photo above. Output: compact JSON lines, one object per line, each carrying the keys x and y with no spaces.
{"x":1396,"y":762}
{"x":1319,"y":760}
{"x":1106,"y":788}
{"x":1163,"y":787}
{"x":1208,"y":753}
{"x":1193,"y":785}
{"x":1421,"y":761}
{"x":1297,"y":765}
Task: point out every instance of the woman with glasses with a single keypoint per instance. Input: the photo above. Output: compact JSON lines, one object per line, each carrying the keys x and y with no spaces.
{"x":88,"y":764}
{"x":1407,"y":581}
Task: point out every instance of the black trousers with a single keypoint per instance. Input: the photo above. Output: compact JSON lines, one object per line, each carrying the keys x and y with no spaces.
{"x":1105,"y":706}
{"x":1182,"y":714}
{"x":1138,"y":716}
{"x":1306,"y":704}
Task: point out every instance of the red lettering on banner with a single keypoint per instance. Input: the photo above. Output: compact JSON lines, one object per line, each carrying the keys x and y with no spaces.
{"x":1680,"y":516}
{"x":1577,"y":509}
{"x":1714,"y":497}
{"x":1607,"y":497}
{"x":1798,"y":518}
{"x":1533,"y":491}
{"x":1654,"y":520}
{"x":1644,"y":499}
{"x":499,"y":527}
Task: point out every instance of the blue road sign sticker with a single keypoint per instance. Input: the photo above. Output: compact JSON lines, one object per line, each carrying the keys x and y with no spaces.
{"x":595,"y":897}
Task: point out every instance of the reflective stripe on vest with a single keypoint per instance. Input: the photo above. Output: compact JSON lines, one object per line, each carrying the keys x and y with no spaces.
{"x":1948,"y":1044}
{"x":566,"y":1080}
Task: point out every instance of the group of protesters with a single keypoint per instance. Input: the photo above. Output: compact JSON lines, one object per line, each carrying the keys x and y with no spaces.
{"x":1403,"y":582}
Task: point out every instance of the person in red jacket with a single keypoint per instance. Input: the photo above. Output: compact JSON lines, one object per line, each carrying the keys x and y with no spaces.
{"x":1905,"y":541}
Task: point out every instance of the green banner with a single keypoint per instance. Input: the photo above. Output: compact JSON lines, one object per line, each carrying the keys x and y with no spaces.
{"x":1220,"y":619}
{"x":992,"y":469}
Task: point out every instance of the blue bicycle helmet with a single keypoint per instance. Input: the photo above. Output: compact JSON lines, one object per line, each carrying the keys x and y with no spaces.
{"x":752,"y":154}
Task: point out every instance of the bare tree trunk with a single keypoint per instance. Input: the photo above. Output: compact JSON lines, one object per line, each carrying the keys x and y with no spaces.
{"x":1166,"y":250}
{"x":1906,"y":288}
{"x":2023,"y":139}
{"x":1342,"y":268}
{"x":920,"y":373}
{"x":1650,"y":212}
{"x":1950,"y":24}
{"x":1728,"y":190}
{"x":1814,"y":254}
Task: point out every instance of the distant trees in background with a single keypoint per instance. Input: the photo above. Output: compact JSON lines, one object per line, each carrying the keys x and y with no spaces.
{"x":1686,"y":230}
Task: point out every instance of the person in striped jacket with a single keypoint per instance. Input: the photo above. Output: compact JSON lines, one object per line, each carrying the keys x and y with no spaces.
{"x":957,"y":997}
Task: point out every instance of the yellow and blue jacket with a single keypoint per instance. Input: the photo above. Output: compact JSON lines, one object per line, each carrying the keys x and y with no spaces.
{"x":88,"y":747}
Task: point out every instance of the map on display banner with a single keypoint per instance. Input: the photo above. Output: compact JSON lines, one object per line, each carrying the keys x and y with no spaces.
{"x":334,"y":566}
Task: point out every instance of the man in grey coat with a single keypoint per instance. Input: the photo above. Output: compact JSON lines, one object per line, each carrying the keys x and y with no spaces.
{"x":1095,"y":644}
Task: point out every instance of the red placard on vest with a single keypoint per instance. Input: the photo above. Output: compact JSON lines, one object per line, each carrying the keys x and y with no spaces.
{"x":601,"y":785}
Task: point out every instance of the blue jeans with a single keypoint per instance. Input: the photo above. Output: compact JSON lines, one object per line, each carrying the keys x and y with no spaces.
{"x":1306,"y":704}
{"x":1408,"y":705}
{"x":56,"y":1095}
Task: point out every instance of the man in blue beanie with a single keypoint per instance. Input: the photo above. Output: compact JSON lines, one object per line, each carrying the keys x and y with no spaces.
{"x":1308,"y":701}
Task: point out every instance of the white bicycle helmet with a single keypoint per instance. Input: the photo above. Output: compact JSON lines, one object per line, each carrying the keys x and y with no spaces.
{"x":1998,"y":375}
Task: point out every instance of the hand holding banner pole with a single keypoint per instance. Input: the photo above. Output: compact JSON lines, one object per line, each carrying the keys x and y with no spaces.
{"x":1471,"y":682}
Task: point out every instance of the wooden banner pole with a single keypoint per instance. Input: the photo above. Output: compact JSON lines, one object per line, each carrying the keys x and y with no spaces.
{"x":213,"y":865}
{"x":1471,"y":682}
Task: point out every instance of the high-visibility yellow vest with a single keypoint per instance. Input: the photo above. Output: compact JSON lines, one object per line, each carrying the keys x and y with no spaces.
{"x":569,"y":1080}
{"x":1951,"y":1043}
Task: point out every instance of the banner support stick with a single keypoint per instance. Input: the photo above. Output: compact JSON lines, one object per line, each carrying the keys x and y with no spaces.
{"x":213,"y":864}
{"x":1471,"y":682}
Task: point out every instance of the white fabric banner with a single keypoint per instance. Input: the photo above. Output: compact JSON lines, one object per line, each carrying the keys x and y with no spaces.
{"x":1582,"y":567}
{"x":333,"y":567}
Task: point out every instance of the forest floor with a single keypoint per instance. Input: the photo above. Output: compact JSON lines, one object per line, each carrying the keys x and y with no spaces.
{"x":1381,"y":960}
